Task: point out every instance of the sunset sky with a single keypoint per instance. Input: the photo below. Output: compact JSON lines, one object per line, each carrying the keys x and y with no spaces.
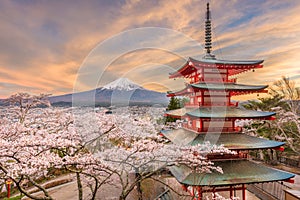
{"x":50,"y":46}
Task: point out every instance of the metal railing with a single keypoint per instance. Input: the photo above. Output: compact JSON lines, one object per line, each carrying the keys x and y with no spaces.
{"x":289,"y":161}
{"x":269,"y":191}
{"x":166,"y":195}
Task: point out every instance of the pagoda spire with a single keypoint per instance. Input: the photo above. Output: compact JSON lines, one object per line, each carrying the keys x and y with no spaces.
{"x":208,"y":44}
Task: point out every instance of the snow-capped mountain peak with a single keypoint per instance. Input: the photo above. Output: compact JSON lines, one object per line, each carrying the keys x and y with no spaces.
{"x":122,"y":84}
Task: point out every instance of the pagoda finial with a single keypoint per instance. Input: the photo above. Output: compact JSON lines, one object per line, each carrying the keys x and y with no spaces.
{"x":208,"y":43}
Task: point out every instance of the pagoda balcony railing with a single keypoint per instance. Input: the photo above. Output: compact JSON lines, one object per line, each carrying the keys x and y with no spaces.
{"x":221,"y":129}
{"x":213,"y":129}
{"x":215,"y":104}
{"x":212,"y":80}
{"x":219,"y":80}
{"x":193,"y":105}
{"x":239,"y":156}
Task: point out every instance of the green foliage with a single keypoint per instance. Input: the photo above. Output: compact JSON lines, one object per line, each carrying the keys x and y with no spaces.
{"x":266,"y":104}
{"x":14,"y":198}
{"x":174,"y":103}
{"x":19,"y":197}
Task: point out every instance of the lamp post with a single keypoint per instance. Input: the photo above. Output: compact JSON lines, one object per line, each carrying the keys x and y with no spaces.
{"x":8,"y":182}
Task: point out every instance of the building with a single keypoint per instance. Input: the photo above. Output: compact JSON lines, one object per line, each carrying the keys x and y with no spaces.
{"x":210,"y":115}
{"x":292,"y":194}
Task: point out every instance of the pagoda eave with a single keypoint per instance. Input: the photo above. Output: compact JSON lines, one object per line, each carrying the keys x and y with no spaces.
{"x":235,"y":172}
{"x":234,"y":67}
{"x":228,"y":117}
{"x":230,"y":112}
{"x":231,"y":140}
{"x":234,"y":89}
{"x":236,"y":93}
{"x":220,"y":113}
{"x":225,"y":63}
{"x":173,"y":116}
{"x":228,"y":86}
{"x":186,"y":69}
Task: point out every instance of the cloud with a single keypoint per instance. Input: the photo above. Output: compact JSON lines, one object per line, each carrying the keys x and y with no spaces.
{"x":43,"y":43}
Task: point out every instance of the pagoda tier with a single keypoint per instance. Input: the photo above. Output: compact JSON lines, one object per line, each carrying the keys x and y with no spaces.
{"x":196,"y":69}
{"x":232,"y":141}
{"x":227,"y":90}
{"x":210,"y":119}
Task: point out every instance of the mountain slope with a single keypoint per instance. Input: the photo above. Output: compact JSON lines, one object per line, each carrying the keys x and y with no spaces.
{"x":119,"y":92}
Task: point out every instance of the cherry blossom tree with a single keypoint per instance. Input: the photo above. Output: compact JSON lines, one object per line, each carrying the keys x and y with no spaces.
{"x":95,"y":146}
{"x":34,"y":140}
{"x":137,"y":152}
{"x":288,"y":128}
{"x":284,"y":100}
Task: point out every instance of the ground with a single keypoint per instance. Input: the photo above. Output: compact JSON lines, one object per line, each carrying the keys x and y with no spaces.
{"x":68,"y":191}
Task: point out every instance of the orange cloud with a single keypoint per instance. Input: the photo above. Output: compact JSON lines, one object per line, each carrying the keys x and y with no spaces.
{"x":43,"y":44}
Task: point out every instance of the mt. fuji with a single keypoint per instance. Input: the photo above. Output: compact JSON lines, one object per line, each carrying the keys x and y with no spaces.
{"x":122,"y":84}
{"x":119,"y":92}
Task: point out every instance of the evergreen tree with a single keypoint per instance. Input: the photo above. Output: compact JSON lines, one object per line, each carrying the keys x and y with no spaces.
{"x":174,"y":103}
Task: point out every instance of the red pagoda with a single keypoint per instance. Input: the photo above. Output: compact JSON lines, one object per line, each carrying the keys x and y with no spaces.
{"x":210,"y":115}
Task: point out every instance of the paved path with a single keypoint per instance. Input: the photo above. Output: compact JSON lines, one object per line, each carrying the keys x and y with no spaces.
{"x":68,"y":191}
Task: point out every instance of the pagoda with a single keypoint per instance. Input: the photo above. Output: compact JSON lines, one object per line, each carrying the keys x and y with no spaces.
{"x":210,"y":115}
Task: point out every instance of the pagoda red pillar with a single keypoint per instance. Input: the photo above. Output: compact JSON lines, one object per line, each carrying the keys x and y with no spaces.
{"x":244,"y":191}
{"x":199,"y":190}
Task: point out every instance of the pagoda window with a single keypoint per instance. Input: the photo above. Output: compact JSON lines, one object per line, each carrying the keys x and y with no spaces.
{"x":198,"y":124}
{"x":192,"y":100}
{"x":199,"y":99}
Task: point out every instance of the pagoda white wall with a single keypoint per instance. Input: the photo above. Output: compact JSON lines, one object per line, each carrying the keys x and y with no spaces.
{"x":217,"y":125}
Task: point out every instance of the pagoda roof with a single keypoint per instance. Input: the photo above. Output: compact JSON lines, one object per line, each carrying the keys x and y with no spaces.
{"x":232,"y":141}
{"x":227,"y":86}
{"x":234,"y":172}
{"x":219,"y":112}
{"x":221,"y":87}
{"x":228,"y":112}
{"x":226,"y":62}
{"x":234,"y":66}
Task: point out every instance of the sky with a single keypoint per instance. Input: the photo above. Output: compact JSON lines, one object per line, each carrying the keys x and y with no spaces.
{"x":61,"y":46}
